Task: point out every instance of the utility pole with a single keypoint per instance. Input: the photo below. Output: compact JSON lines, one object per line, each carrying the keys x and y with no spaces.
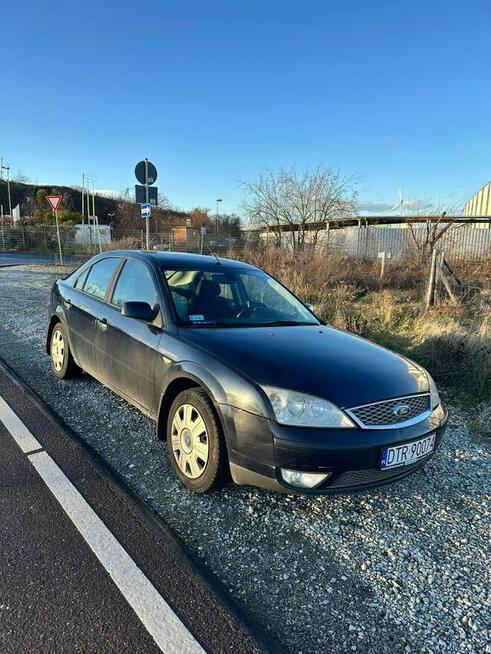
{"x":147,"y":219}
{"x":93,"y":198}
{"x":88,"y":199}
{"x":7,"y":168}
{"x":1,"y":206}
{"x":83,"y":207}
{"x":3,"y":228}
{"x":8,"y":191}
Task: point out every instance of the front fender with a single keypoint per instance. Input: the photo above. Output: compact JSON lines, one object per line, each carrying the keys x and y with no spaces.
{"x":198,"y":374}
{"x":226,"y":388}
{"x":225,"y":385}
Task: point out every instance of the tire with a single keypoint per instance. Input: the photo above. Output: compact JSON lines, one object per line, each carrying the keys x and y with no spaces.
{"x":62,"y":363}
{"x":199,"y":459}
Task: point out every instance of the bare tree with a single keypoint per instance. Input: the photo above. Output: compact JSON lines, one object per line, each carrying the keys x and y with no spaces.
{"x":429,"y":228}
{"x":298,"y":202}
{"x":199,"y":216}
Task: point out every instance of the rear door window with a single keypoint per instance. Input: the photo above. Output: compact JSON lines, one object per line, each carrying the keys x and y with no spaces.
{"x":99,"y":277}
{"x":135,"y":284}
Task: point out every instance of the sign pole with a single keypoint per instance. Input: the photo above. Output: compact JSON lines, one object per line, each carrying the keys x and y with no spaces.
{"x":58,"y":235}
{"x":202,"y":239}
{"x":147,"y":219}
{"x":54,"y":202}
{"x":145,"y":193}
{"x":3,"y":228}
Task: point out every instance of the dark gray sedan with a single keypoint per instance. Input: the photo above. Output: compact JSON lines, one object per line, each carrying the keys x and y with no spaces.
{"x":241,"y":377}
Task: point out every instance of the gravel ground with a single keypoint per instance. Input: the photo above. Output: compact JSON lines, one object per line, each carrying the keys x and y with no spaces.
{"x":398,"y":570}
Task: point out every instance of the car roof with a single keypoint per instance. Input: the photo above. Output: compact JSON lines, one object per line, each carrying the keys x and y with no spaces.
{"x":181,"y":259}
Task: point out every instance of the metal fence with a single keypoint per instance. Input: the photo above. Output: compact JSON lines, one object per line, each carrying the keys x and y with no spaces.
{"x":464,"y":242}
{"x":43,"y":240}
{"x":461,"y":242}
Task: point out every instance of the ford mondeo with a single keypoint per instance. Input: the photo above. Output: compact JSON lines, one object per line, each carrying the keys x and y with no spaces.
{"x":242,"y":379}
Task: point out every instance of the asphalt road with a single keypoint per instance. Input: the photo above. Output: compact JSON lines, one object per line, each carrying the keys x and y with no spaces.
{"x":391,"y":571}
{"x":19,"y":258}
{"x":83,"y":569}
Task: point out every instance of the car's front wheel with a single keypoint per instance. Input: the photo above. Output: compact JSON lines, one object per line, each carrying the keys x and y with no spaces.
{"x":62,"y":363}
{"x":195,"y":442}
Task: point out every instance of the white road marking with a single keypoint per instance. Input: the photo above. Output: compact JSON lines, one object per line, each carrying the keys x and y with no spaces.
{"x":170,"y":634}
{"x":23,"y":437}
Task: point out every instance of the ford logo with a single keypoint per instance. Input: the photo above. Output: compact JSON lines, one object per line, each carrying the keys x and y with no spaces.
{"x":401,"y":410}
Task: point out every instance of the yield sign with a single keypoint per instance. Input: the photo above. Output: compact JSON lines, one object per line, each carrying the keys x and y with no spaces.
{"x":54,"y":201}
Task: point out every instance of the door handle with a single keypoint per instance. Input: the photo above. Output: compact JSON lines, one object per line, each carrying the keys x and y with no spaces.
{"x":67,"y":303}
{"x":102,"y":322}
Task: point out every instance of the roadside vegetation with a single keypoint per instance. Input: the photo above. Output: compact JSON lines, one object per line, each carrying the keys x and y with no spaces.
{"x":452,"y":341}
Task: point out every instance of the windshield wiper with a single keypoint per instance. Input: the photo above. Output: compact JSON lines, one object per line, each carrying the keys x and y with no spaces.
{"x":284,"y":323}
{"x":272,"y":323}
{"x":214,"y":323}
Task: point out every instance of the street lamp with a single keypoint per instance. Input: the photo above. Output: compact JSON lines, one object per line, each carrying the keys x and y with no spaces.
{"x":218,"y":200}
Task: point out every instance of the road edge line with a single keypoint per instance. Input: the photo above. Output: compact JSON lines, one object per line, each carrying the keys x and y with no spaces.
{"x":167,"y":630}
{"x":263,"y":640}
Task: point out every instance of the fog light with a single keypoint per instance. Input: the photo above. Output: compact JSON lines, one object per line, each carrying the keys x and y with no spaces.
{"x":304,"y":479}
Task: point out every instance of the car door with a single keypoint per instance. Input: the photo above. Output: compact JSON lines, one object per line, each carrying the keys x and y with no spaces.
{"x":82,"y":304}
{"x":126,"y":348}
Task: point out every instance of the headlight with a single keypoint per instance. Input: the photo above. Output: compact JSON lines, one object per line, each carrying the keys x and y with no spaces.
{"x":434,"y":396}
{"x":292,"y":408}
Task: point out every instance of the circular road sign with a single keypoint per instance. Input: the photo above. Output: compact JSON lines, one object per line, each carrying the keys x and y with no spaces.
{"x":140,"y":172}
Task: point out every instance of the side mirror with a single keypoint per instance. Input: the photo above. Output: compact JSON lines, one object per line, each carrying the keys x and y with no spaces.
{"x":139,"y":311}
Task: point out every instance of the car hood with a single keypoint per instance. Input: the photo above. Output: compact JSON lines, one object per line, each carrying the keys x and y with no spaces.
{"x":319,"y":360}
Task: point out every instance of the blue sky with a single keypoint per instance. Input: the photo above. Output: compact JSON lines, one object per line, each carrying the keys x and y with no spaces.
{"x":397,"y":93}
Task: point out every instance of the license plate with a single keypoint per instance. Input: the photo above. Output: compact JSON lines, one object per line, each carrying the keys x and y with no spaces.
{"x":408,"y":453}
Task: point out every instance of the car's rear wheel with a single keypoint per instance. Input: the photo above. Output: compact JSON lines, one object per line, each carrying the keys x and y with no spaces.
{"x":62,"y":363}
{"x":195,"y":442}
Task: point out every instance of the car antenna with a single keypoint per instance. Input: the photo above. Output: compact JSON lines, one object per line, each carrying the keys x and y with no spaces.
{"x":217,"y":259}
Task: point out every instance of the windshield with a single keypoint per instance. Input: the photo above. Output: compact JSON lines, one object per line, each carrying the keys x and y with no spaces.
{"x":234,"y":298}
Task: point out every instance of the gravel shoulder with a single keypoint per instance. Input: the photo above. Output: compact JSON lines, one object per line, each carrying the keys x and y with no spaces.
{"x":399,"y":570}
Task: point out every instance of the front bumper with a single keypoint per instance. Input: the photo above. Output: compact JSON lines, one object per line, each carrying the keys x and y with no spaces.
{"x":259,"y":448}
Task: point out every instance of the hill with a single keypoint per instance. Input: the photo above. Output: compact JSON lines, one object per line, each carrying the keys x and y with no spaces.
{"x":120,"y":212}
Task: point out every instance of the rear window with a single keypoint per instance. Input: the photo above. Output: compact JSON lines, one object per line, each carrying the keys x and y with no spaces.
{"x":81,"y":279}
{"x":100,"y":275}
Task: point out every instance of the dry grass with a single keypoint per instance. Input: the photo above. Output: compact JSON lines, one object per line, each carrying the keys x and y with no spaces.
{"x":453,"y":342}
{"x":126,"y":243}
{"x":480,"y":418}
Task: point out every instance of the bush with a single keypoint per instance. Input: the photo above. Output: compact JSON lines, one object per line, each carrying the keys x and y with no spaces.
{"x":458,"y":356}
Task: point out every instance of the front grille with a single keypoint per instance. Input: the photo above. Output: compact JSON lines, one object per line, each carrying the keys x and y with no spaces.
{"x":361,"y":477}
{"x":389,"y":413}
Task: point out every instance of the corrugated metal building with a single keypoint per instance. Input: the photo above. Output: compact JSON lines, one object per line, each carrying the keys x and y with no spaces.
{"x":480,"y":203}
